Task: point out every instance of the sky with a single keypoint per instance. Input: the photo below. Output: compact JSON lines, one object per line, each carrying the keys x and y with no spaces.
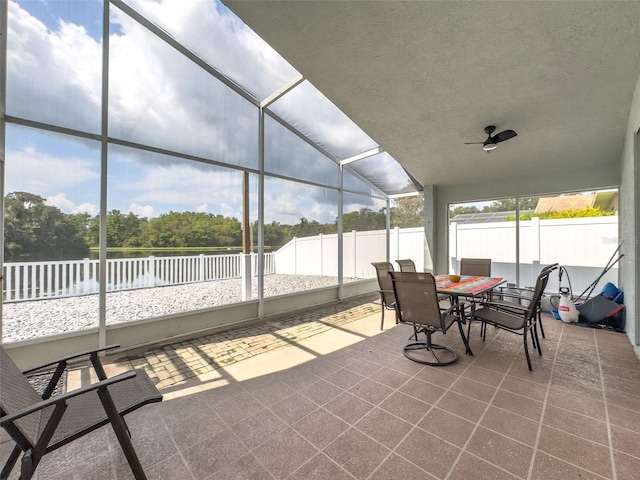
{"x":159,"y":98}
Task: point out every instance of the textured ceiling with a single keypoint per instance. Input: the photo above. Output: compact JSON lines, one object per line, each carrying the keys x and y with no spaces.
{"x":422,"y":78}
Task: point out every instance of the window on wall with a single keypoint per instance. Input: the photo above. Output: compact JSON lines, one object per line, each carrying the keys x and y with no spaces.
{"x":578,"y":230}
{"x":52,"y":197}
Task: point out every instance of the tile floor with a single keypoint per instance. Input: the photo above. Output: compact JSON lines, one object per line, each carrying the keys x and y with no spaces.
{"x":346,"y":404}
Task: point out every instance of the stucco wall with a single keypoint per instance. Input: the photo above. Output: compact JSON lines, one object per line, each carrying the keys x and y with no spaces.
{"x":629,"y":223}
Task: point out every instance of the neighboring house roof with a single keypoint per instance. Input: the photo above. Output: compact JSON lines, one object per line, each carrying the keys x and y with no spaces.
{"x":606,"y":200}
{"x":565,"y":202}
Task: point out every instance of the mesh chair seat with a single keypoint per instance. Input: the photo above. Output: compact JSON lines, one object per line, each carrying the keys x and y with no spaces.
{"x":85,"y":412}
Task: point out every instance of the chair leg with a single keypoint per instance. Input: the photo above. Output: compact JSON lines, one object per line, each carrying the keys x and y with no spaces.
{"x":537,"y":339}
{"x":467,"y":348}
{"x":382,"y":322}
{"x":27,"y":468}
{"x":10,"y":463}
{"x":540,"y":322}
{"x":122,"y":434}
{"x":526,"y":350}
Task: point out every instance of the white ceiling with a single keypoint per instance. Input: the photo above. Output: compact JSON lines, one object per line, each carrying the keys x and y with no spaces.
{"x":423,"y":77}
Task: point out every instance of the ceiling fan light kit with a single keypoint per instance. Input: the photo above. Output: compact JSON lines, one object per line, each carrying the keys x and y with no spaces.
{"x":491,"y":143}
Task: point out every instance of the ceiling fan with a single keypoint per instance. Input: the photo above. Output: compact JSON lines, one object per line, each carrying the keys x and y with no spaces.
{"x":491,"y":143}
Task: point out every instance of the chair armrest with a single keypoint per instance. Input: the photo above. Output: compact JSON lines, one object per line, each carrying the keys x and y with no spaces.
{"x":507,"y":307}
{"x":70,"y":357}
{"x":64,"y":397}
{"x":456,"y":307}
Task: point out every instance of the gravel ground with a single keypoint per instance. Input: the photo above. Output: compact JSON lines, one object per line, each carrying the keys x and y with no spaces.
{"x":37,"y":318}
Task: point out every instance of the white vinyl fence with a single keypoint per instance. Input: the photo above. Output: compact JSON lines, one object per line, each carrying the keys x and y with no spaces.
{"x":319,"y":255}
{"x":583,"y":246}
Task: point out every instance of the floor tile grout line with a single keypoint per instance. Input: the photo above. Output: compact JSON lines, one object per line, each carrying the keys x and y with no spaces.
{"x":413,"y":427}
{"x":178,"y":450}
{"x":606,"y":413}
{"x":463,"y":449}
{"x":544,"y":406}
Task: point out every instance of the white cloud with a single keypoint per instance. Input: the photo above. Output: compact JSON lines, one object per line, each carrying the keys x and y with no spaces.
{"x":145,"y":211}
{"x":204,"y":208}
{"x":37,"y":172}
{"x":227,"y":210}
{"x":67,"y":206}
{"x":182,"y":186}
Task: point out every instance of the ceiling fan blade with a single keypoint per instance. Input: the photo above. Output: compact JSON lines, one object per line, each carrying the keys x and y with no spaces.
{"x":504,"y":135}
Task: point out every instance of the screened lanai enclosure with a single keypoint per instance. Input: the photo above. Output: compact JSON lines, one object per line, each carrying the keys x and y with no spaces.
{"x":163,"y":164}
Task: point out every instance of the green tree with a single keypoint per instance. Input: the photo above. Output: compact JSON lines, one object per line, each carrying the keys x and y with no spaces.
{"x":275,"y":234}
{"x":308,"y":228}
{"x":408,"y":212}
{"x":584,"y":212}
{"x":461,"y":210}
{"x":37,"y":231}
{"x":120,"y":228}
{"x":363,"y":220}
{"x":189,"y":229}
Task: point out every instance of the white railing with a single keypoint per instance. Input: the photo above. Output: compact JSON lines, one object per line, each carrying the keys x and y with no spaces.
{"x":37,"y":280}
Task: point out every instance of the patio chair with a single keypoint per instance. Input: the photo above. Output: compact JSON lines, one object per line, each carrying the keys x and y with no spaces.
{"x":387,"y":298}
{"x":406,"y":265}
{"x":516,"y":318}
{"x":521,"y":295}
{"x":475,"y":266}
{"x":418,"y":305}
{"x":39,"y":424}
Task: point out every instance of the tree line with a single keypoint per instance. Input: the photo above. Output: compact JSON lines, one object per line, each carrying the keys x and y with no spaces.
{"x":34,"y":230}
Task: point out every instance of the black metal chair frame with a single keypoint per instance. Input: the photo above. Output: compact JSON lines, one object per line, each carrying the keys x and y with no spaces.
{"x":513,"y":317}
{"x":522,"y":297}
{"x":426,"y":316}
{"x":39,"y":424}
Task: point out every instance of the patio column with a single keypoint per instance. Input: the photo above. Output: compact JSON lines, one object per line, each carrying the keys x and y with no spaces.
{"x":245,"y":273}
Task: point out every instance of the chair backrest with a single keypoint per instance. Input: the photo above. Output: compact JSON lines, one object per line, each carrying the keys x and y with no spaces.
{"x":475,"y":266}
{"x":406,"y":265}
{"x":541,"y":284}
{"x":16,"y":393}
{"x":384,"y":282}
{"x":417,"y":299}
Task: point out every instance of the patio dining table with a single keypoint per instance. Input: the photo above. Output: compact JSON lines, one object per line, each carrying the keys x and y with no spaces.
{"x":472,"y":287}
{"x":468,"y":286}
